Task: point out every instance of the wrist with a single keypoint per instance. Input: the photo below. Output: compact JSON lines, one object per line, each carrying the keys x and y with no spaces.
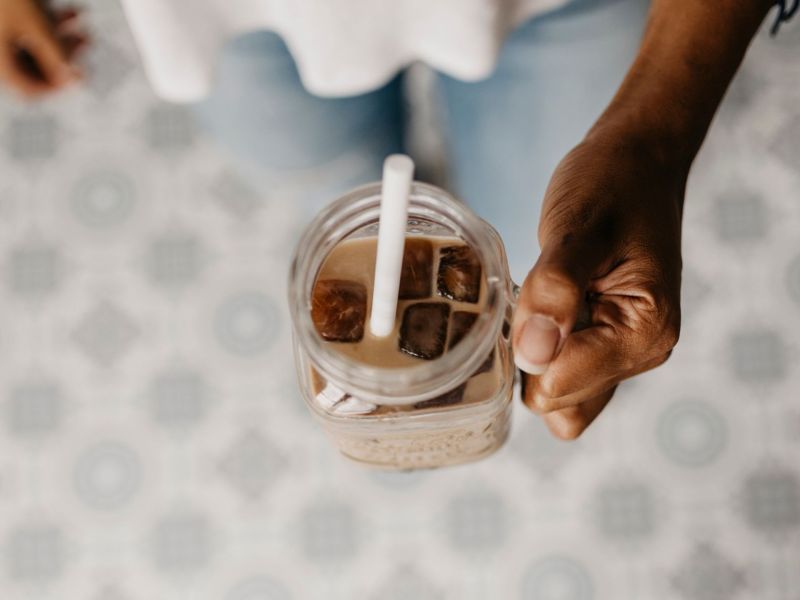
{"x":655,"y":139}
{"x":688,"y":56}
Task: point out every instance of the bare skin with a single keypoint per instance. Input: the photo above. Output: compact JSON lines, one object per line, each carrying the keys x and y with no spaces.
{"x":610,"y":229}
{"x":38,"y":47}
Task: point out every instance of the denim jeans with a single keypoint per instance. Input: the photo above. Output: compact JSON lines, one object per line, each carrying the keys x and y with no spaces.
{"x":504,"y":135}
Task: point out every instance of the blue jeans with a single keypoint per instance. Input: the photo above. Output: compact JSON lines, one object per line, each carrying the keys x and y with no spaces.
{"x":504,"y":135}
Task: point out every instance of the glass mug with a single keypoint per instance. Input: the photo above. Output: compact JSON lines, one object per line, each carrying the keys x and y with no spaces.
{"x":416,"y":416}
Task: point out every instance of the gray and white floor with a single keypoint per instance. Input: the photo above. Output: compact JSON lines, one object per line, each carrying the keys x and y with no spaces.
{"x":154,"y":446}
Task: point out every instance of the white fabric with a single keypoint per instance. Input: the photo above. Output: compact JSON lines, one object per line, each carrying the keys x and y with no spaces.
{"x":342,"y":47}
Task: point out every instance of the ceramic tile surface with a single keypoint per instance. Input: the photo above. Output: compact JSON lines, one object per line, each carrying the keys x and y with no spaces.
{"x":154,"y":445}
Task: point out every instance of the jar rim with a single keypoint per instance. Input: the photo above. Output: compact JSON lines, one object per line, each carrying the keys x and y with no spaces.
{"x":398,"y":385}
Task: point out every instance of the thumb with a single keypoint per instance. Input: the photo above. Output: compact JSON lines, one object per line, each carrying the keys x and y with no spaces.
{"x":551,"y":302}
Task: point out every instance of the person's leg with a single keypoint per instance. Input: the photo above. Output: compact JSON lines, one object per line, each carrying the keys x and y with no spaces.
{"x":506,"y":134}
{"x":260,"y":110}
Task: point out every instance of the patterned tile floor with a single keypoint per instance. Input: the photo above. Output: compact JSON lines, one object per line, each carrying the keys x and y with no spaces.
{"x":154,"y":446}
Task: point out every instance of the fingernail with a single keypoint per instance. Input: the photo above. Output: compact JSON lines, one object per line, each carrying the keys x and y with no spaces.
{"x":537,"y":344}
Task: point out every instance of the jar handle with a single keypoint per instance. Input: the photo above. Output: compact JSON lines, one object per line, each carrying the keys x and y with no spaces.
{"x":512,"y":294}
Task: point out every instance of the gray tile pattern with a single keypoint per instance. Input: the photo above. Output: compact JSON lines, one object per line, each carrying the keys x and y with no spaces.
{"x":154,"y":444}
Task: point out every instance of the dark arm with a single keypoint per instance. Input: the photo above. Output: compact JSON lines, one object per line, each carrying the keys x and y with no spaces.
{"x":610,"y":230}
{"x":690,"y":52}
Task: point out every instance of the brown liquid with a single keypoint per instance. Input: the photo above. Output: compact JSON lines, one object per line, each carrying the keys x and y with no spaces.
{"x":353,"y":262}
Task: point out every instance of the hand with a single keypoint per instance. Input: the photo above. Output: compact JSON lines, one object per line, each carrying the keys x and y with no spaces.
{"x":37,"y":46}
{"x":602,"y":302}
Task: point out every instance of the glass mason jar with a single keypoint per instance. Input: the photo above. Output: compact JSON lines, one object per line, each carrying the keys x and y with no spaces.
{"x":405,"y":418}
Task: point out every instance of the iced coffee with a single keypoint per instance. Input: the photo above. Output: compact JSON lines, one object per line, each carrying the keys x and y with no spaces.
{"x":450,"y":303}
{"x":440,"y":300}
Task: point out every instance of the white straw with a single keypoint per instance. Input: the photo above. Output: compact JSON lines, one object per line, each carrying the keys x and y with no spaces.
{"x":398,"y":171}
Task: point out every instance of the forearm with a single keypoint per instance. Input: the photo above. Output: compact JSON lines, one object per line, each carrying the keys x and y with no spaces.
{"x":690,"y":52}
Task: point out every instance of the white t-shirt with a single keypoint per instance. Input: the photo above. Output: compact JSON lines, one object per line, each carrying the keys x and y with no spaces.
{"x":342,"y":47}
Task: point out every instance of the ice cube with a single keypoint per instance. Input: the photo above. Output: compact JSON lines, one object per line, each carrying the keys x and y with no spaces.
{"x":459,"y":276}
{"x":330,"y":396}
{"x":461,"y":322}
{"x":339,"y":310}
{"x":415,"y":279}
{"x":454,"y":396}
{"x":424,"y":329}
{"x":353,"y":406}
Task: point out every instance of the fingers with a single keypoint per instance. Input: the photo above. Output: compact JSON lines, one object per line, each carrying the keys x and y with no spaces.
{"x":51,"y":59}
{"x":65,"y":15}
{"x":37,"y":48}
{"x":73,"y":44}
{"x":15,"y":73}
{"x":72,"y":38}
{"x":542,"y":403}
{"x":569,"y":423}
{"x":607,"y":352}
{"x":623,"y":338}
{"x":550,"y":302}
